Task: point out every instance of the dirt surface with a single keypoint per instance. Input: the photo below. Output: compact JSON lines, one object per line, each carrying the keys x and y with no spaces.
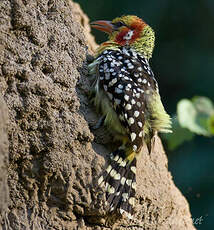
{"x":54,"y":158}
{"x":3,"y":158}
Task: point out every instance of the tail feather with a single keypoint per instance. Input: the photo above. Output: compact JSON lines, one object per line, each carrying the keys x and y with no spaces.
{"x":119,"y":180}
{"x":127,"y":202}
{"x":119,"y":185}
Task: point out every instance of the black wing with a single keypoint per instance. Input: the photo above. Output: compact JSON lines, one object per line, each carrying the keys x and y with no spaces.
{"x":127,"y":79}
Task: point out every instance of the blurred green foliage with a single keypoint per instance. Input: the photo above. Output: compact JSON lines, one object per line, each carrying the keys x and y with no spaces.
{"x":183,"y":62}
{"x":197,"y":115}
{"x":179,"y":135}
{"x":194,"y":116}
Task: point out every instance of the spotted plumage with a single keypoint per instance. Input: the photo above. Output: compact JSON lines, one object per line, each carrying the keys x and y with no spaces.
{"x":126,"y":81}
{"x":127,"y":95}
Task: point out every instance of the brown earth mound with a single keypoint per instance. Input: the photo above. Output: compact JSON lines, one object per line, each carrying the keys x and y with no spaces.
{"x":54,"y":159}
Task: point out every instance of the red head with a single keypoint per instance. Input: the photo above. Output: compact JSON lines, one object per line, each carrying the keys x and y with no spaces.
{"x":122,"y":30}
{"x":128,"y":31}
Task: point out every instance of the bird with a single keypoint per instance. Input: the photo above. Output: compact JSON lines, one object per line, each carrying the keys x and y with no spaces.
{"x":126,"y":95}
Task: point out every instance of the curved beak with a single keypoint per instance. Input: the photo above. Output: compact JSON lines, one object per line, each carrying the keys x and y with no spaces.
{"x":105,"y":26}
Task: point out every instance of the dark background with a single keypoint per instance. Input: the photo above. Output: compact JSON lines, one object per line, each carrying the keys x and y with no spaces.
{"x":183,"y":62}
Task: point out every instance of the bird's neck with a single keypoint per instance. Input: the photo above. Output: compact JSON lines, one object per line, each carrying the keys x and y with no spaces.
{"x":145,"y":44}
{"x":108,"y":45}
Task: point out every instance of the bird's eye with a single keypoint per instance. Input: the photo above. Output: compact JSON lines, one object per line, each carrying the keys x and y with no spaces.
{"x":119,"y":24}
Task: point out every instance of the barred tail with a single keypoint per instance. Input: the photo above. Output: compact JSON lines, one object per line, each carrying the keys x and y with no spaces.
{"x":119,"y":180}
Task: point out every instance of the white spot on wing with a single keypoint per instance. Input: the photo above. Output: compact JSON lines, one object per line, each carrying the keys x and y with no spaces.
{"x":123,"y":163}
{"x":141,"y":134}
{"x":129,"y":85}
{"x":133,"y":169}
{"x":112,"y":82}
{"x":117,"y":194}
{"x":125,"y":196}
{"x":120,"y":86}
{"x":136,"y":113}
{"x":120,"y":160}
{"x":111,"y":189}
{"x":134,"y":147}
{"x":138,"y":95}
{"x":134,"y":185}
{"x":140,"y":124}
{"x":116,"y":158}
{"x":117,"y":90}
{"x":117,"y":176}
{"x":126,"y":97}
{"x":113,"y":172}
{"x":133,"y":136}
{"x":123,"y":180}
{"x":130,"y":66}
{"x":108,"y":169}
{"x":138,"y":104}
{"x":129,"y":182}
{"x":131,"y":121}
{"x":128,"y":107}
{"x":121,"y":211}
{"x":132,"y":201}
{"x":144,"y":81}
{"x":100,"y":180}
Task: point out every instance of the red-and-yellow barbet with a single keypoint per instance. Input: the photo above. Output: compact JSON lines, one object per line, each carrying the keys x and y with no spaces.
{"x":127,"y":95}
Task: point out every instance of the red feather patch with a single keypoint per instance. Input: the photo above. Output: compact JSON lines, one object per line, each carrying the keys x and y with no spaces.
{"x":137,"y":27}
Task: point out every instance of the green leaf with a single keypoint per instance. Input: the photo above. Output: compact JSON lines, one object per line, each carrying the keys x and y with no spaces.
{"x":196,"y":115}
{"x":203,"y":105}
